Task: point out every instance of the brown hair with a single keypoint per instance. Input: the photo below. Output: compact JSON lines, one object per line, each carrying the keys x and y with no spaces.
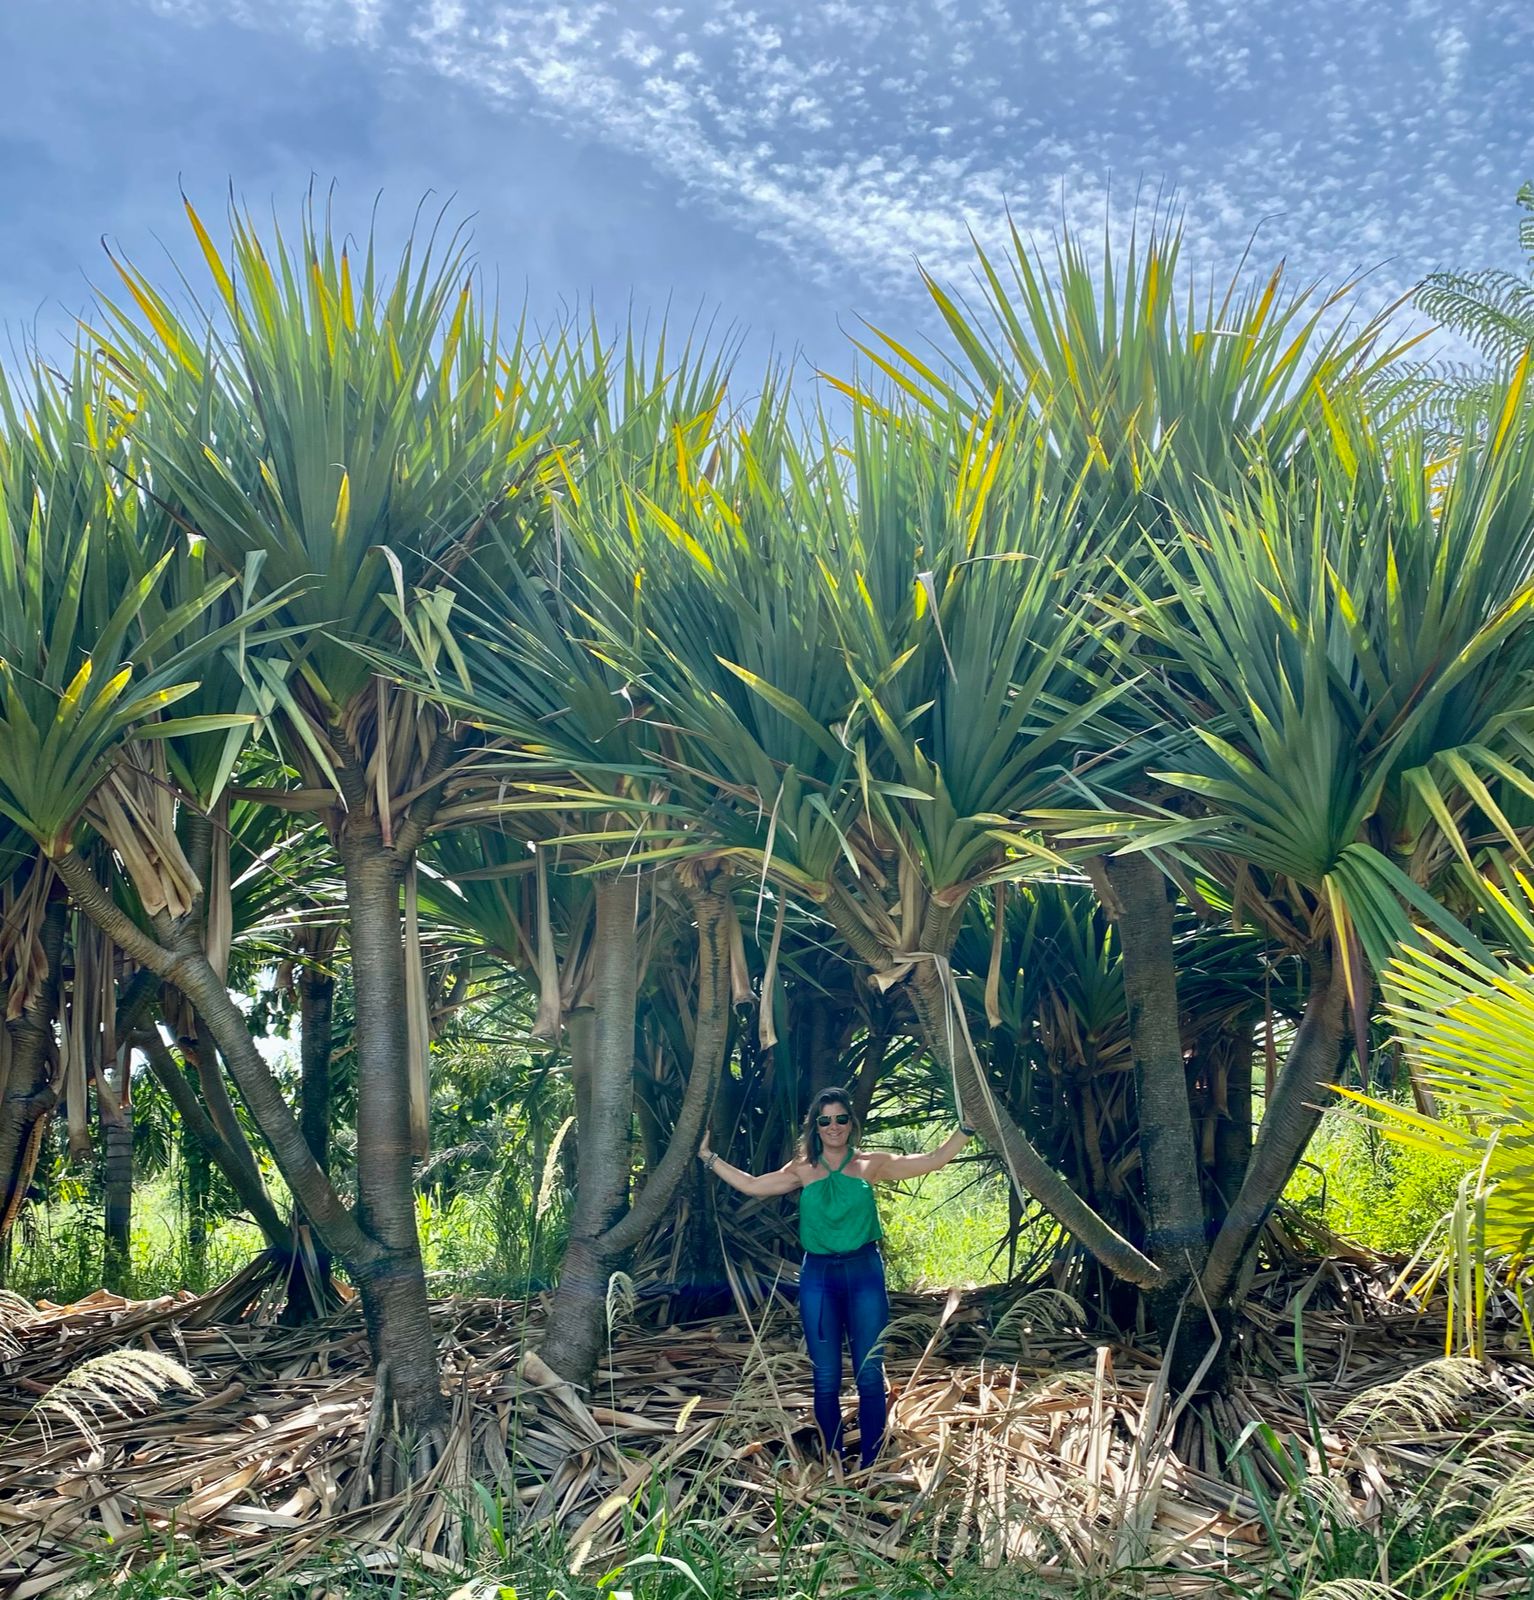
{"x":809,"y":1145}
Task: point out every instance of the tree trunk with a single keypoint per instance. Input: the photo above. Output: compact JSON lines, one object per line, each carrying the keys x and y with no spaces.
{"x":577,"y":1321}
{"x":711,"y":1032}
{"x":316,"y":1010}
{"x":178,"y":958}
{"x":30,"y":1093}
{"x":819,"y":1031}
{"x":311,"y":1289}
{"x":229,"y":1144}
{"x":1233,"y":1131}
{"x":198,"y":1187}
{"x":704,"y":1289}
{"x":578,"y":1317}
{"x":1176,"y":1238}
{"x":581,"y":1031}
{"x":115,"y":1110}
{"x":389,"y":1278}
{"x":875,"y":1048}
{"x":393,"y":1284}
{"x":1292,"y":1115}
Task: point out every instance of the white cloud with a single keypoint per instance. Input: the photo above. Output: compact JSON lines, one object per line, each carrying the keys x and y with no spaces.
{"x":853,"y":136}
{"x":1453,"y":47}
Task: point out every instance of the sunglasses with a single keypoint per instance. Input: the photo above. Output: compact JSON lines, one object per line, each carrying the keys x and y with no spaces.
{"x":841,"y":1119}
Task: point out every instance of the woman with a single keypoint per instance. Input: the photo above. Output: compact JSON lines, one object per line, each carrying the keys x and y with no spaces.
{"x":842,"y":1298}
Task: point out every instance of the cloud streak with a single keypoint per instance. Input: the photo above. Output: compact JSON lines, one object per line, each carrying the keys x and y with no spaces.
{"x":848,"y":138}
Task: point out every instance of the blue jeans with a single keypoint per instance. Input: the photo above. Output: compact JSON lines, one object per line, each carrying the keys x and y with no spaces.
{"x":843,"y":1301}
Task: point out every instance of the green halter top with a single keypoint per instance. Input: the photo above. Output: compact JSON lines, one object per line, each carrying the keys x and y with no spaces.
{"x":838,"y":1213}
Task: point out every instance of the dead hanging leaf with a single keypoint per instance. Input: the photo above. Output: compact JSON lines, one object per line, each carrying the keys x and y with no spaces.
{"x":993,"y":972}
{"x":219,"y":905}
{"x":766,"y":1027}
{"x":550,"y":1002}
{"x":741,"y":992}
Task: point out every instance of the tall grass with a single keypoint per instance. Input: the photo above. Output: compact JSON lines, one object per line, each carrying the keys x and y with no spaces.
{"x":945,"y":1230}
{"x":1366,"y":1188}
{"x":55,"y":1251}
{"x":478,"y":1242}
{"x":490,"y":1236}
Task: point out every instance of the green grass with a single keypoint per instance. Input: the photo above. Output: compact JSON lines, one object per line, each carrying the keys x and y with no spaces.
{"x":1381,"y":1195}
{"x":485,"y":1239}
{"x":56,"y":1250}
{"x":479,"y":1242}
{"x":694,"y":1559}
{"x":945,"y":1230}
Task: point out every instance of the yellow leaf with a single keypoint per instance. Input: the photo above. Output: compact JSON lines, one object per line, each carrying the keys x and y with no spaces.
{"x":322,"y":299}
{"x":1514,"y":399}
{"x":1340,"y":441}
{"x":76,"y":689}
{"x":343,"y":516}
{"x":348,"y":304}
{"x":210,"y":255}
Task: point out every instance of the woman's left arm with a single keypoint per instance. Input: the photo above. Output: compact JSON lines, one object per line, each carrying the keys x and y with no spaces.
{"x":885,"y":1166}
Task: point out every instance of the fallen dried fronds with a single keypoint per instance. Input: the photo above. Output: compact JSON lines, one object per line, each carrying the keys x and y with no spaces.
{"x":1014,"y":1438}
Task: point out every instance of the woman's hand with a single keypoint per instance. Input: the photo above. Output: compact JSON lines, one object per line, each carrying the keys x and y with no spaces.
{"x":705,"y":1151}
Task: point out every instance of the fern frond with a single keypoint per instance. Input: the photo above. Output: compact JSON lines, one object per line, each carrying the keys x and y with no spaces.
{"x":1492,"y":310}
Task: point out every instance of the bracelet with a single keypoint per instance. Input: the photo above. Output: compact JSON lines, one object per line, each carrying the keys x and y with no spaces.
{"x":969,"y":1133}
{"x":712,"y":1162}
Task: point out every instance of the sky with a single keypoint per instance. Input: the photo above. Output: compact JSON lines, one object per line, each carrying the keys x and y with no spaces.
{"x":779,"y":167}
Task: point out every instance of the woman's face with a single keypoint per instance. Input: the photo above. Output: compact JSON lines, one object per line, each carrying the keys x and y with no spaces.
{"x":833,"y":1122}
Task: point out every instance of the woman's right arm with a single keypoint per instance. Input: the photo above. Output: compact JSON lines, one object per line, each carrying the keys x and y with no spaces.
{"x":784,"y":1181}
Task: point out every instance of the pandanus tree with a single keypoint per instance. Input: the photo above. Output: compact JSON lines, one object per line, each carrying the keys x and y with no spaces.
{"x":543,"y":662}
{"x":342,"y":434}
{"x":1347,"y":658}
{"x":95,"y":651}
{"x":875,"y":661}
{"x":551,"y":648}
{"x":879,"y":660}
{"x":1133,"y":393}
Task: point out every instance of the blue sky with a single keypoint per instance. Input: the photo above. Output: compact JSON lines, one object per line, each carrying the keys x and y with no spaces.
{"x":782,"y":164}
